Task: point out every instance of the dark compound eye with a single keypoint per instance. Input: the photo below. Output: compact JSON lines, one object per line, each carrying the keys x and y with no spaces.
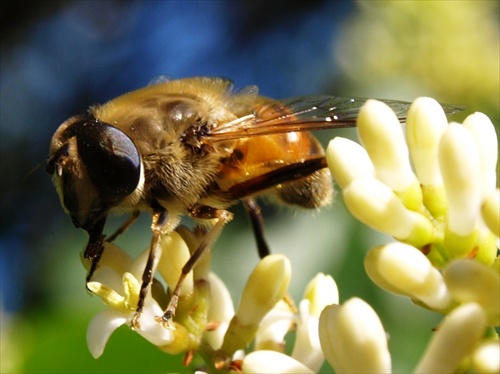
{"x":111,"y":159}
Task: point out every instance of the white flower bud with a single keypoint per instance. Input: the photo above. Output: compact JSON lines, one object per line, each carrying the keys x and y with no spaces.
{"x":485,"y":137}
{"x":382,"y":136}
{"x":404,"y":270}
{"x":471,"y":281}
{"x":486,"y":357}
{"x":348,"y":161}
{"x":272,"y":362}
{"x":425,"y":124}
{"x":460,"y":168}
{"x":353,"y":339}
{"x":455,"y":338}
{"x":490,"y":210}
{"x":376,"y":205}
{"x":267,"y":285}
{"x":174,"y":257}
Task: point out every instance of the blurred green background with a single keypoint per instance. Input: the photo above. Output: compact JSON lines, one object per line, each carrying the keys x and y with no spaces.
{"x":59,"y":57}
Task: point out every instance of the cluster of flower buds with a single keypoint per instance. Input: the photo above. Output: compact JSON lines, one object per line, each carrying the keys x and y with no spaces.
{"x":445,"y":216}
{"x":448,"y":206}
{"x":206,"y":321}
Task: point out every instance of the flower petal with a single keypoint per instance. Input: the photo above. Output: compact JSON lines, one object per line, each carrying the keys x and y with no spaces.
{"x":307,"y":348}
{"x":221,"y":310}
{"x":116,"y":258}
{"x":108,"y":277}
{"x":321,"y":291}
{"x":100,"y":329}
{"x":273,"y":328}
{"x":151,"y":330}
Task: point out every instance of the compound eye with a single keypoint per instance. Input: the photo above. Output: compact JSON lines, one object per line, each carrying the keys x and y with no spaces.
{"x":110,"y":158}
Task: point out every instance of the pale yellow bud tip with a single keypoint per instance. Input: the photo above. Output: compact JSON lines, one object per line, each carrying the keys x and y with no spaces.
{"x":353,"y":339}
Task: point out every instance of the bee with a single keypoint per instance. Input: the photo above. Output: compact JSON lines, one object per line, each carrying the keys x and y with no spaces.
{"x":193,"y":147}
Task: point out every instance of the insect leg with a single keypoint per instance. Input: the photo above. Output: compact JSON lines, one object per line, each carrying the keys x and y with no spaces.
{"x":160,"y":219}
{"x":95,"y":246}
{"x":253,"y":210}
{"x":205,"y":212}
{"x":119,"y":231}
{"x":93,"y":266}
{"x":124,"y":226}
{"x":255,"y":214}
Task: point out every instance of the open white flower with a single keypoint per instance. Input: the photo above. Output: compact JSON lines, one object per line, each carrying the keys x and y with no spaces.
{"x":274,"y":327}
{"x":269,"y":355}
{"x":117,"y":282}
{"x":120,"y":291}
{"x":320,"y":292}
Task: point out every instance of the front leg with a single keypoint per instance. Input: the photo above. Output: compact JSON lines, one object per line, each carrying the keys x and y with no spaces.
{"x":97,"y":242}
{"x":124,"y":226}
{"x":204,"y":212}
{"x":160,"y":220}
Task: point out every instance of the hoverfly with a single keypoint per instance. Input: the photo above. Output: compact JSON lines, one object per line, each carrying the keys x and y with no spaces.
{"x":192,"y":147}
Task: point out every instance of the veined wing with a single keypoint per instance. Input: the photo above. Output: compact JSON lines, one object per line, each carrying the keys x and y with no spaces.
{"x":305,"y":113}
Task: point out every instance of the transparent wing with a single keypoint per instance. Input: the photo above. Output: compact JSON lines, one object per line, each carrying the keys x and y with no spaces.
{"x":305,"y":113}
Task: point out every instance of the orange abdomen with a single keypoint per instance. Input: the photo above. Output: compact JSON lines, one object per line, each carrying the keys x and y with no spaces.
{"x":253,"y":157}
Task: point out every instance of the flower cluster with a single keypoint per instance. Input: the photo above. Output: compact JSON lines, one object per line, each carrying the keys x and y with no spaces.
{"x":448,"y":206}
{"x":206,"y":321}
{"x":445,"y":216}
{"x":117,"y":282}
